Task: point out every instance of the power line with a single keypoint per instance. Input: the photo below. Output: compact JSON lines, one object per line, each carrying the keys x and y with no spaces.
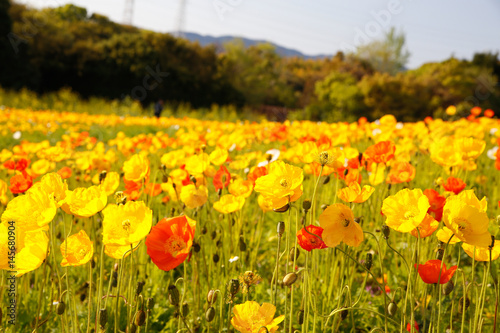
{"x":128,"y":14}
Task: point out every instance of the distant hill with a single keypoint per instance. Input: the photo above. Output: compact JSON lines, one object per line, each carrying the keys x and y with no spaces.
{"x":219,"y":41}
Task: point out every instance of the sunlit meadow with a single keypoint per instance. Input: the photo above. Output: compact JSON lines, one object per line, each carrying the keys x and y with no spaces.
{"x":136,"y":224}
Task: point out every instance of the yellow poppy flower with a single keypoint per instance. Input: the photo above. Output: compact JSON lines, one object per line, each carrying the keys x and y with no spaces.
{"x":85,"y":202}
{"x":482,"y":253}
{"x":31,"y":249}
{"x":173,"y":158}
{"x":339,"y":226}
{"x":229,"y":203}
{"x":31,"y":211}
{"x":80,"y":249}
{"x":265,"y":204}
{"x":241,"y":188}
{"x":42,"y":166}
{"x":468,"y":222}
{"x":218,"y":156}
{"x":405,"y":210}
{"x":197,"y":164}
{"x":117,"y":251}
{"x":111,"y":183}
{"x":444,"y":235}
{"x":470,"y":148}
{"x":354,"y":193}
{"x":249,"y":317}
{"x":54,"y":186}
{"x":126,"y":224}
{"x":136,"y":168}
{"x":282,"y":184}
{"x":194,"y":197}
{"x":377,"y":175}
{"x":3,"y":193}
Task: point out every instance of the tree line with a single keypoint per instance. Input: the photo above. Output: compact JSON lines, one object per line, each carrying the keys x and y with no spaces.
{"x":54,"y":48}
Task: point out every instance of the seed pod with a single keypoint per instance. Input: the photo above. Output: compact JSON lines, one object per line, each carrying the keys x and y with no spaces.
{"x":369,"y":261}
{"x":185,"y":309}
{"x":214,"y":234}
{"x":234,"y":287}
{"x":300,"y":317}
{"x":281,"y":228}
{"x":192,"y":179}
{"x":216,"y":258}
{"x":150,"y":303}
{"x":293,"y":251}
{"x":289,"y":279}
{"x":61,"y":307}
{"x":448,"y":288}
{"x":92,"y":263}
{"x":210,"y":314}
{"x":211,"y":296}
{"x":114,"y":279}
{"x":386,"y":231}
{"x":173,"y":295}
{"x":133,"y":328}
{"x":204,"y":230}
{"x":140,"y":318}
{"x":461,"y":304}
{"x":306,"y":204}
{"x":243,"y":245}
{"x":83,"y":297}
{"x":282,"y":209}
{"x":138,"y":289}
{"x":327,"y":180}
{"x":439,"y":254}
{"x":103,"y":317}
{"x":196,"y":247}
{"x":392,"y":308}
{"x":343,"y":314}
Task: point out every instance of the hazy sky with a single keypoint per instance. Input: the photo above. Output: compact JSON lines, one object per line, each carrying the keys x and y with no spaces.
{"x":435,"y":30}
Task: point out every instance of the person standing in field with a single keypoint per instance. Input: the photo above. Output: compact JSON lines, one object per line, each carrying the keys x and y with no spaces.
{"x":158,"y":108}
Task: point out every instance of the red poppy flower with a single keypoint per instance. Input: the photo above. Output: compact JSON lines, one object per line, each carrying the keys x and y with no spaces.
{"x":455,"y":185}
{"x":20,"y":183}
{"x":489,"y":113}
{"x":169,"y":242}
{"x":437,"y":202}
{"x":309,"y":242}
{"x":475,"y":111}
{"x":429,"y":272}
{"x":222,"y":178}
{"x":381,"y":152}
{"x":65,"y":172}
{"x":408,"y":327}
{"x":19,"y":165}
{"x":257,"y":173}
{"x":153,"y":189}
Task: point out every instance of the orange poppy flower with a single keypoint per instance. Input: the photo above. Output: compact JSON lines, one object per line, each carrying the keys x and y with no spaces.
{"x":339,"y":226}
{"x":169,"y":242}
{"x":455,"y":185}
{"x":354,"y":193}
{"x":489,"y":113}
{"x":222,"y":178}
{"x":476,"y":111}
{"x":256,"y":173}
{"x":429,"y":272}
{"x":153,"y":189}
{"x":437,"y":202}
{"x":251,"y":317}
{"x":20,"y":183}
{"x":65,"y":172}
{"x":381,"y":152}
{"x":309,"y":242}
{"x":426,"y":228}
{"x":401,"y":172}
{"x":19,"y":165}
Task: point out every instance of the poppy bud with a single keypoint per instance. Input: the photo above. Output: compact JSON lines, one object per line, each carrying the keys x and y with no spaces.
{"x":103,"y":317}
{"x":150,"y":303}
{"x":306,"y":204}
{"x":293,"y":251}
{"x":215,"y":258}
{"x":185,"y":309}
{"x":173,"y":295}
{"x":234,"y":287}
{"x":386,"y":231}
{"x":300,"y":317}
{"x":204,"y":230}
{"x":210,"y":314}
{"x":282,"y":209}
{"x":243,"y":245}
{"x":281,"y":228}
{"x":102,"y":176}
{"x":448,"y":288}
{"x":61,"y":307}
{"x":140,"y":318}
{"x":83,"y":297}
{"x":114,"y":280}
{"x":369,"y":261}
{"x":392,"y":308}
{"x":193,"y":179}
{"x":211,"y":296}
{"x":327,"y":180}
{"x":343,"y":314}
{"x":115,"y":267}
{"x":440,"y":253}
{"x":214,"y":234}
{"x":196,"y":247}
{"x":461,"y":304}
{"x":138,"y":289}
{"x":133,"y":328}
{"x":289,"y":279}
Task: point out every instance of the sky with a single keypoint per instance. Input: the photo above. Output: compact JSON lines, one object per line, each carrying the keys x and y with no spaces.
{"x":434,"y":30}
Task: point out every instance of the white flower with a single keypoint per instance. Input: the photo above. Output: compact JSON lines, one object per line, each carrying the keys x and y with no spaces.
{"x":400,"y":125}
{"x":233,"y":259}
{"x":493,"y":131}
{"x":491,"y":153}
{"x":376,"y":131}
{"x":17,"y":135}
{"x":233,"y":147}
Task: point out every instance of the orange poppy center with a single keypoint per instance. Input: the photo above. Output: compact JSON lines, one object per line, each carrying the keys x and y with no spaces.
{"x":409,"y":215}
{"x":284,"y":182}
{"x":461,"y":223}
{"x":174,"y":245}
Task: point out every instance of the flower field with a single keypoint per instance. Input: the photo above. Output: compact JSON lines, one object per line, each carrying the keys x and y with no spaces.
{"x":134,"y":224}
